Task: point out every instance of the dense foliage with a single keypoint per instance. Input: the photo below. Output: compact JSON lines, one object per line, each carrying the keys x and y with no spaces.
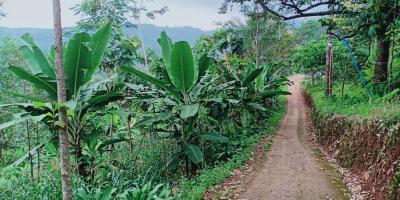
{"x":139,"y":130}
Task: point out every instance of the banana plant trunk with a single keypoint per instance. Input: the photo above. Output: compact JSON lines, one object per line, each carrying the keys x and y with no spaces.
{"x":382,"y":55}
{"x":61,"y":96}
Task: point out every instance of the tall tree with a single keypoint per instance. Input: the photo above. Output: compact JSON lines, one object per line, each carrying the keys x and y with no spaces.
{"x":360,"y":15}
{"x":62,"y":96}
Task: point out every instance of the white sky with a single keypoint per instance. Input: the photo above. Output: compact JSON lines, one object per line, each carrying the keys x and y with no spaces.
{"x":38,"y":13}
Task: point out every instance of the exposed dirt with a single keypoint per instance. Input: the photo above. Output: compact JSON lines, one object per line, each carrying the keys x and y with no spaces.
{"x":292,"y":169}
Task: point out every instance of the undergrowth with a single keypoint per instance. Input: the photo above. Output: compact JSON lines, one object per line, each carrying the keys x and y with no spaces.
{"x":354,"y":103}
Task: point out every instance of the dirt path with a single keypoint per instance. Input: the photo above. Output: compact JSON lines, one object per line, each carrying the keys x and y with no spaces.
{"x":292,"y":169}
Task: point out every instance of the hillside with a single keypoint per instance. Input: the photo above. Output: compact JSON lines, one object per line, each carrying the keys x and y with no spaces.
{"x":44,"y":37}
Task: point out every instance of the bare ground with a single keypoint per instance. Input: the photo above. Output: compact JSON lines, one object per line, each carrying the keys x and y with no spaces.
{"x":292,"y":168}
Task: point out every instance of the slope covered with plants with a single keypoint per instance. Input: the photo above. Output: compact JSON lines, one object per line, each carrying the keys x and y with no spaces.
{"x":139,"y":127}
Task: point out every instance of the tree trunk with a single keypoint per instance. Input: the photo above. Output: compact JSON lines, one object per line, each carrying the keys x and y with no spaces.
{"x":329,"y":59}
{"x":61,"y":96}
{"x":329,"y":63}
{"x":382,"y":55}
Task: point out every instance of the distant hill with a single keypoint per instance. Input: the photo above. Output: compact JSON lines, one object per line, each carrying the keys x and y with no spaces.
{"x":45,"y":37}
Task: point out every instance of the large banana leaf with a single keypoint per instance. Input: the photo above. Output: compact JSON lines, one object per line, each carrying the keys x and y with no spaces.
{"x":98,"y":46}
{"x":257,"y":106}
{"x":166,"y":48}
{"x":41,"y":59}
{"x":20,"y":105}
{"x":252,"y":76}
{"x":76,"y":62}
{"x":30,"y":153}
{"x":150,"y":79}
{"x":110,"y":142}
{"x":269,"y":94}
{"x":38,"y":82}
{"x":182,"y":70}
{"x":194,"y":153}
{"x":214,"y":137}
{"x":27,"y":97}
{"x":99,"y":100}
{"x":204,"y":64}
{"x":187,"y":111}
{"x":30,"y":60}
{"x":21,"y":120}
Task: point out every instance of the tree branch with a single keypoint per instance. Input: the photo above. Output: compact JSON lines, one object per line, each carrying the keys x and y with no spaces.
{"x":300,"y":15}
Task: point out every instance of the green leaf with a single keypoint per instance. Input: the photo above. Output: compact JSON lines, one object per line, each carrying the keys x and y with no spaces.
{"x":30,"y":60}
{"x":204,"y":64}
{"x":41,"y":59}
{"x":23,"y":105}
{"x":252,"y":76}
{"x":107,"y":192}
{"x":98,"y":45}
{"x":60,"y":124}
{"x":269,"y":94}
{"x":152,"y":120}
{"x":38,"y":82}
{"x":194,"y":153}
{"x":257,"y":106}
{"x":76,"y":62}
{"x":102,"y":99}
{"x":150,"y":79}
{"x":173,"y":161}
{"x":111,"y":141}
{"x":182,"y":70}
{"x":213,"y":137}
{"x":21,"y":120}
{"x":30,"y":98}
{"x":30,"y":153}
{"x":187,"y":111}
{"x":166,"y":48}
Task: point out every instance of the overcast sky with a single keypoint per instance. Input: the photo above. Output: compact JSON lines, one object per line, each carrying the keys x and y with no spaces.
{"x":38,"y":13}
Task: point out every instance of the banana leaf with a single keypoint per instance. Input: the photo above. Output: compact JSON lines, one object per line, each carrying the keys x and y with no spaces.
{"x":152,"y":80}
{"x":182,"y":70}
{"x":40,"y":57}
{"x":194,"y":153}
{"x":38,"y":82}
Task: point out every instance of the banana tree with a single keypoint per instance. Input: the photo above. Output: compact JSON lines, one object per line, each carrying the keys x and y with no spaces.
{"x":182,"y":85}
{"x":86,"y":91}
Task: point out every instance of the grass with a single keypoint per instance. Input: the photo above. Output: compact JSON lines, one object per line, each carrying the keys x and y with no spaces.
{"x":194,"y":189}
{"x":354,"y":103}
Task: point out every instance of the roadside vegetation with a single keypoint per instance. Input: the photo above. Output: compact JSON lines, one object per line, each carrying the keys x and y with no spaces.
{"x":358,"y":122}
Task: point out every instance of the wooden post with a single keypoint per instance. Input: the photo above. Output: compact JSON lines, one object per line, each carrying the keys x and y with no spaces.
{"x":38,"y":152}
{"x":29,"y":148}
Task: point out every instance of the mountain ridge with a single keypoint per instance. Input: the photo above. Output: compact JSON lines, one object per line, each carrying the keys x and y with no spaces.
{"x":44,"y":37}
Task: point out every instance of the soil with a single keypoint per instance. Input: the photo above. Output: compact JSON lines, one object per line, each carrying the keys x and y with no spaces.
{"x":293,"y":168}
